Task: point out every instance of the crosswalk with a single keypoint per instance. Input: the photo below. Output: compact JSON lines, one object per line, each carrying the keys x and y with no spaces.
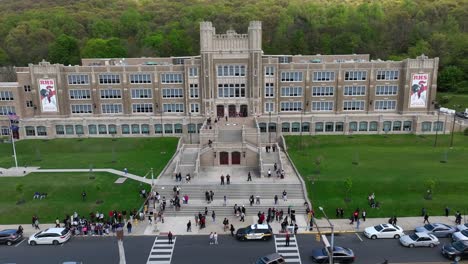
{"x":290,"y":253}
{"x":161,"y":251}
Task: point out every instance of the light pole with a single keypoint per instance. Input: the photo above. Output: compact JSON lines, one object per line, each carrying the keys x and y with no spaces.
{"x":332,"y":244}
{"x":269,"y":130}
{"x":13,"y":120}
{"x":453,"y":125}
{"x":437,"y":129}
{"x":190,"y":127}
{"x":152,"y":178}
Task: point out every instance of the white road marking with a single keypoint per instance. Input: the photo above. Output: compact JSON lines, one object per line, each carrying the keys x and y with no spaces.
{"x":121,"y":252}
{"x":358,"y":236}
{"x":290,"y":253}
{"x":20,"y":242}
{"x":161,"y":251}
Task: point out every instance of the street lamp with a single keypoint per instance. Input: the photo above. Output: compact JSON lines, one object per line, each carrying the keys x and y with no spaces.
{"x":269,"y":130}
{"x":190,"y":131}
{"x":152,"y":178}
{"x":453,"y":125}
{"x":332,"y":244}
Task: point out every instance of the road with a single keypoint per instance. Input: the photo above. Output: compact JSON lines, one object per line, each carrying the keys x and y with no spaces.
{"x":196,"y":249}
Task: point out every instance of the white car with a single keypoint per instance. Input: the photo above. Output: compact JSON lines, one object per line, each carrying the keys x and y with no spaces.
{"x":460,"y":235}
{"x":53,"y":236}
{"x":462,"y":227}
{"x":384,"y":231}
{"x":419,"y":240}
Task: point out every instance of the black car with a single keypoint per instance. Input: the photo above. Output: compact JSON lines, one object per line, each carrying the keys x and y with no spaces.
{"x":456,"y":250}
{"x":254,"y":232}
{"x":10,"y":236}
{"x":274,"y":258}
{"x":340,"y":255}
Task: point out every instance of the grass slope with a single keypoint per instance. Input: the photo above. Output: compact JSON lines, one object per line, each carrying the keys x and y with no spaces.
{"x":396,"y":168}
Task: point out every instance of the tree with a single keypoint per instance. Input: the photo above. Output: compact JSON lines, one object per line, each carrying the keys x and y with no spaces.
{"x":104,"y":48}
{"x":65,"y":50}
{"x":449,"y":77}
{"x":3,"y":57}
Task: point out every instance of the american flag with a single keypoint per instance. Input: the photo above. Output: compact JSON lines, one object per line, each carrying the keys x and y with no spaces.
{"x":13,"y":116}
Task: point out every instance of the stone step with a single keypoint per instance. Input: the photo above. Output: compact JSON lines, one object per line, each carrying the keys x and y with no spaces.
{"x":221,"y":211}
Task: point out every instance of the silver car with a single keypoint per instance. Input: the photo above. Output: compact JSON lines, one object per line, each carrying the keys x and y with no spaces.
{"x":462,"y":227}
{"x":460,"y":236}
{"x":437,"y":229}
{"x":419,"y":240}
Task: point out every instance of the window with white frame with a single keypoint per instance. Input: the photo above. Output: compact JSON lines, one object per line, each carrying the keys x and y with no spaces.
{"x":355,"y":75}
{"x":194,"y":91}
{"x":6,"y":109}
{"x":5,"y":131}
{"x":6,"y":96}
{"x":359,"y":90}
{"x":291,"y":76}
{"x":142,"y":108}
{"x":387,"y":75}
{"x":194,"y":108}
{"x":231,"y":90}
{"x":269,"y":71}
{"x":172,"y":78}
{"x":323,"y":76}
{"x":291,"y":91}
{"x":322,"y":106}
{"x":291,"y":106}
{"x":78,"y":79}
{"x":353,"y":105}
{"x":193,"y":71}
{"x":173,"y":108}
{"x":386,"y":90}
{"x":172,"y":93}
{"x":79,"y":94}
{"x":140,"y":78}
{"x":269,"y":107}
{"x":142,"y":93}
{"x":109,"y":78}
{"x":323,"y":91}
{"x":231,"y":70}
{"x":81,"y":109}
{"x":269,"y":90}
{"x":384,"y":105}
{"x":110,"y":93}
{"x":111,"y":108}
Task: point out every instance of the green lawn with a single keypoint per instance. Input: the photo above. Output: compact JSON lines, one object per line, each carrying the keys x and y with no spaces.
{"x":64,"y":196}
{"x":136,"y":154}
{"x":460,"y":100}
{"x":396,"y":168}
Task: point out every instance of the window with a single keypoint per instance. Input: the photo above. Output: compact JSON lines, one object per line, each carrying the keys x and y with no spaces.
{"x":172,"y":93}
{"x":387,"y":75}
{"x":284,"y":59}
{"x":295,"y":127}
{"x":140,"y":78}
{"x":396,"y":126}
{"x":262,"y":127}
{"x":78,"y":79}
{"x":79,"y":94}
{"x":6,"y":96}
{"x":111,"y":108}
{"x":145,"y":129}
{"x":291,"y":76}
{"x":355,"y":75}
{"x":269,"y":90}
{"x":30,"y":131}
{"x":363,"y":126}
{"x":59,"y":130}
{"x":193,"y":71}
{"x":231,"y":90}
{"x":109,"y":78}
{"x":6,"y":109}
{"x":323,"y":91}
{"x":231,"y":70}
{"x":92,"y":130}
{"x":110,"y":93}
{"x":438,"y":126}
{"x":194,"y":108}
{"x":319,"y":127}
{"x":339,"y":127}
{"x":125,"y":129}
{"x":271,"y":127}
{"x":269,"y":107}
{"x":291,"y":91}
{"x":352,"y":126}
{"x":5,"y":131}
{"x":172,"y":78}
{"x":387,"y":126}
{"x":27,"y":88}
{"x":191,"y":128}
{"x":385,"y":105}
{"x":178,"y":128}
{"x":112,"y":129}
{"x":386,"y":90}
{"x":322,"y":106}
{"x":269,"y":71}
{"x":373,"y":126}
{"x":41,"y":131}
{"x":407,"y":126}
{"x":194,"y":92}
{"x":323,"y":76}
{"x":355,"y":90}
{"x":158,"y":128}
{"x":329,"y":127}
{"x":285,"y":127}
{"x":29,"y":103}
{"x":142,"y":108}
{"x":81,"y":109}
{"x":135,"y":129}
{"x":173,"y":108}
{"x":143,"y":93}
{"x":426,"y":126}
{"x":291,"y":106}
{"x":168,"y":129}
{"x":79,"y":129}
{"x":102,"y":129}
{"x":353,"y":105}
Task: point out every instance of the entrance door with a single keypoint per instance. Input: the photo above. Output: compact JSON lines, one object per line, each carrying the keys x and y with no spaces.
{"x":232,"y":111}
{"x":220,"y":110}
{"x":235,"y":158}
{"x":224,"y":158}
{"x":243,"y":111}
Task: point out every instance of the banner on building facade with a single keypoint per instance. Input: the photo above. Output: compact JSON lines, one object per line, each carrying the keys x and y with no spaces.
{"x":419,"y":90}
{"x":48,"y":95}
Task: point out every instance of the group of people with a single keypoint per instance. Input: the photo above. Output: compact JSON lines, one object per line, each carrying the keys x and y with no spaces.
{"x":269,"y":148}
{"x":209,"y":196}
{"x":40,"y":196}
{"x":372,"y":202}
{"x":228,"y":179}
{"x":178,"y":177}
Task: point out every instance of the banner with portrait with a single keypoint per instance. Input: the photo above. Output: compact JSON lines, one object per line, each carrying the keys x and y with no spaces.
{"x":48,"y":95}
{"x":419,"y":90}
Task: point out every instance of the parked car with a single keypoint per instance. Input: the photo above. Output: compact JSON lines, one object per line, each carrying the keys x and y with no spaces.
{"x":437,"y":229}
{"x":340,"y":255}
{"x":254,"y":232}
{"x":53,"y":236}
{"x":456,"y":250}
{"x":419,"y":240}
{"x":273,"y":258}
{"x":384,"y":231}
{"x":462,"y":227}
{"x":460,"y":235}
{"x":10,"y":237}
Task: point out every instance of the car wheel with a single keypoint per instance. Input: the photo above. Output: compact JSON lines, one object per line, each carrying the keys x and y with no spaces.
{"x":411,"y":245}
{"x":373,"y":237}
{"x":396,"y":236}
{"x":32,"y":243}
{"x":55,"y":242}
{"x":9,"y":243}
{"x":457,"y":258}
{"x":431,"y":245}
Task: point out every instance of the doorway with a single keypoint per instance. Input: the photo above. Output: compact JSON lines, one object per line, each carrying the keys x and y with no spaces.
{"x":220,"y":110}
{"x":235,"y":158}
{"x":223,"y":158}
{"x":232,"y":111}
{"x":243,"y":111}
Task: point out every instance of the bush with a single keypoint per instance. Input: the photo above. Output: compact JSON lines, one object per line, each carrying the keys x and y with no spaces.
{"x":444,"y":99}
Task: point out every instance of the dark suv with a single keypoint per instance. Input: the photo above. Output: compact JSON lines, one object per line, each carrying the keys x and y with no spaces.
{"x":456,"y":250}
{"x":10,"y":236}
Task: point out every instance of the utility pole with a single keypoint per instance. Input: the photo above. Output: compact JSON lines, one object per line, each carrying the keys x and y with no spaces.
{"x":453,"y":126}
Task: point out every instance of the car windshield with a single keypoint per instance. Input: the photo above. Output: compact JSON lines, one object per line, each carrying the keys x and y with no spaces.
{"x":64,"y":231}
{"x":414,"y":237}
{"x":429,"y":227}
{"x":465,"y":232}
{"x":378,"y":227}
{"x":458,"y":245}
{"x":38,"y":233}
{"x":260,"y":261}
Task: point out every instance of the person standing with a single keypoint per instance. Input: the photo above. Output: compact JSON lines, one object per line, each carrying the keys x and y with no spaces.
{"x":269,"y":173}
{"x":242,"y":219}
{"x":36,"y":223}
{"x":169,"y":237}
{"x":285,"y":195}
{"x":224,"y":200}
{"x":57,"y":222}
{"x":83,"y":195}
{"x":358,"y":222}
{"x":129,"y":227}
{"x":426,"y":218}
{"x":232,"y":229}
{"x":125,"y":171}
{"x":189,"y":226}
{"x":249,"y":177}
{"x":222,"y":179}
{"x":447,"y":211}
{"x":211,"y":238}
{"x":394,"y":220}
{"x":287,"y":239}
{"x":228,"y":179}
{"x":213,"y":216}
{"x":196,"y":218}
{"x":364,"y":214}
{"x":215,"y":237}
{"x":276,"y":199}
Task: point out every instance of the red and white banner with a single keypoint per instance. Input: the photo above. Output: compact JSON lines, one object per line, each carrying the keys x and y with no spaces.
{"x":48,"y":95}
{"x":419,"y":89}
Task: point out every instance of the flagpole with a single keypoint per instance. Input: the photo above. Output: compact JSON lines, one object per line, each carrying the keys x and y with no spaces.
{"x":14,"y":148}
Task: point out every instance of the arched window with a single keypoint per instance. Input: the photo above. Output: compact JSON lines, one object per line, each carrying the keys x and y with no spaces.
{"x":41,"y":131}
{"x":59,"y":130}
{"x":387,"y":126}
{"x":262,"y":127}
{"x":168,"y":129}
{"x":112,"y":129}
{"x":30,"y":131}
{"x":285,"y":127}
{"x":426,"y":126}
{"x":145,"y":129}
{"x":353,"y":126}
{"x":79,"y":129}
{"x":135,"y":129}
{"x":92,"y":130}
{"x":158,"y":128}
{"x":363,"y":126}
{"x":272,"y":127}
{"x":178,"y":128}
{"x":305,"y":127}
{"x":102,"y":129}
{"x":69,"y":130}
{"x":373,"y":126}
{"x":329,"y":127}
{"x":396,"y":125}
{"x":296,"y":126}
{"x":318,"y":126}
{"x":339,"y":127}
{"x":407,"y":126}
{"x":125,"y":129}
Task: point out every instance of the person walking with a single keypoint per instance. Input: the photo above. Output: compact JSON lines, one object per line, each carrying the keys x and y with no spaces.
{"x":287,"y":239}
{"x":228,"y":179}
{"x":242,"y":218}
{"x":215,"y":238}
{"x":249,"y":177}
{"x":36,"y":223}
{"x":129,"y":227}
{"x":189,"y":226}
{"x":211,"y":238}
{"x":232,"y":229}
{"x":394,"y":220}
{"x":57,"y":222}
{"x":276,"y":199}
{"x":447,"y":211}
{"x":269,"y":173}
{"x":224,"y":200}
{"x":169,"y":237}
{"x":426,"y":218}
{"x":83,"y":195}
{"x":196,"y":218}
{"x":213,"y":216}
{"x":150,"y":220}
{"x":364,"y":214}
{"x":285,"y":195}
